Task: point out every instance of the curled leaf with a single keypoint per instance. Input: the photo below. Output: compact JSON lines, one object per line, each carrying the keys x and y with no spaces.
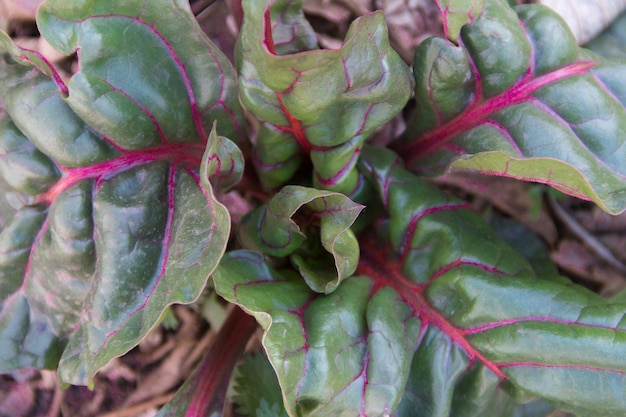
{"x":295,"y":222}
{"x":440,"y":311}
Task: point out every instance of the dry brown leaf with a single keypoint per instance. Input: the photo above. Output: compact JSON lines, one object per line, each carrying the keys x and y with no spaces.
{"x":586,"y":18}
{"x":167,"y":376}
{"x":577,"y":260}
{"x":172,"y":370}
{"x":24,"y":10}
{"x":17,"y":401}
{"x":329,"y":10}
{"x":598,"y":221}
{"x":410,"y":22}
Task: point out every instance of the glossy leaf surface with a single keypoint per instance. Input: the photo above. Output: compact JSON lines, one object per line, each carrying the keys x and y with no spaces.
{"x":319,"y":104}
{"x":440,"y":311}
{"x":312,"y":228}
{"x":146,"y":61}
{"x":519,"y":98}
{"x":123,"y":221}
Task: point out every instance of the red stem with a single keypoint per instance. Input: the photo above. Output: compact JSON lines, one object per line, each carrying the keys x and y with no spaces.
{"x":204,"y":392}
{"x":217,"y":366}
{"x":388,"y":274}
{"x":482,"y":110}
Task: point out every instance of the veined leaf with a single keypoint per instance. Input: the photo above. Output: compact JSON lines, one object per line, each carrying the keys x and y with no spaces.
{"x":123,"y":220}
{"x":440,"y":312}
{"x":310,"y":226}
{"x":319,"y":104}
{"x":519,"y":98}
{"x":146,"y":61}
{"x":457,"y":13}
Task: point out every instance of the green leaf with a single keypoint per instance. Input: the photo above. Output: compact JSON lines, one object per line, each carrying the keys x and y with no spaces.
{"x":258,"y":391}
{"x":123,"y":221}
{"x":34,"y":58}
{"x":457,"y":13}
{"x":319,"y":104}
{"x":295,"y":222}
{"x":528,"y":244}
{"x":519,"y":98}
{"x":22,"y":165}
{"x":141,"y":80}
{"x":440,"y":312}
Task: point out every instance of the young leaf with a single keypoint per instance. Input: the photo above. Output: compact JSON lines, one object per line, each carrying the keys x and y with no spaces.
{"x":122,"y":222}
{"x":519,"y":98}
{"x":275,"y":230}
{"x":440,"y":311}
{"x":319,"y":104}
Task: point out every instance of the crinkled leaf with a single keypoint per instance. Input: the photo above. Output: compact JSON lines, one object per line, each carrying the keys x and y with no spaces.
{"x":612,"y":42}
{"x":320,"y":104}
{"x":122,"y":223}
{"x":148,"y":75}
{"x":310,"y":226}
{"x":442,"y":319}
{"x":519,"y":98}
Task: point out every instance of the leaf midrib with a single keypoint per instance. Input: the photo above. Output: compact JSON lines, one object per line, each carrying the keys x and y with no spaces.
{"x":385,"y":273}
{"x":482,"y":109}
{"x":189,"y":154}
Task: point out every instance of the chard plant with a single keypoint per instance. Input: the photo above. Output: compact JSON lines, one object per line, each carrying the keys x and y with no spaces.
{"x":378,"y":294}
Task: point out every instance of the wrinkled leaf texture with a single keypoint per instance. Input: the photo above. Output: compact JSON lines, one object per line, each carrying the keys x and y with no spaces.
{"x":441,"y":319}
{"x":317,"y":105}
{"x":517,"y":97}
{"x":121,"y":222}
{"x":312,"y":228}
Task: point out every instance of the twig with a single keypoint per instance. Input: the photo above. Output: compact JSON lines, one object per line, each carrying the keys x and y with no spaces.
{"x":138,"y":408}
{"x":57,"y":400}
{"x":585,"y":237}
